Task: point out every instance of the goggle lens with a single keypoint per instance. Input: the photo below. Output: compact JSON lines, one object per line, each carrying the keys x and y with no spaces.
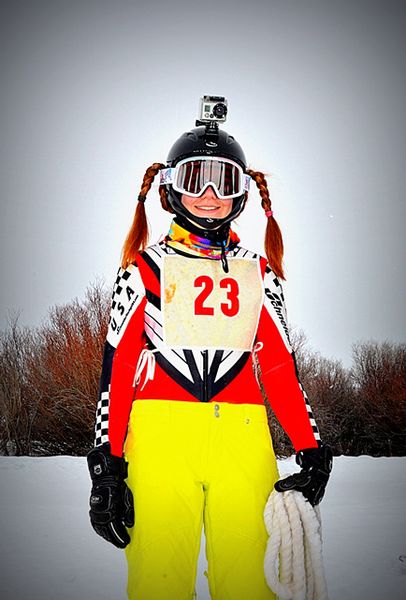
{"x":193,"y":175}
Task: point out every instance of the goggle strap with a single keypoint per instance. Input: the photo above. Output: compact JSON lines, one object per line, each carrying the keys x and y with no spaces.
{"x":166,"y":176}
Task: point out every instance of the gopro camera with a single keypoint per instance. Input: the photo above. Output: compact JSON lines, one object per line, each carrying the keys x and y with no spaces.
{"x":213,"y":109}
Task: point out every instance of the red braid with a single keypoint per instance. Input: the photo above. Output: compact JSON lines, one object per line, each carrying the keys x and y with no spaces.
{"x":137,"y":237}
{"x":273,"y":236}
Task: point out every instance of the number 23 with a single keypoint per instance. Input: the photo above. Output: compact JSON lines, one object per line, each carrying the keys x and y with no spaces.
{"x":229,"y":308}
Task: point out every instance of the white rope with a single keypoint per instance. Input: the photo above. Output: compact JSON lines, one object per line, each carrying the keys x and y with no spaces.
{"x":293,"y":559}
{"x":145,"y":360}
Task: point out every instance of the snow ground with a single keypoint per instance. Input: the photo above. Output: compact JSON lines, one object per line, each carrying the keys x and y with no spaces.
{"x":48,"y":550}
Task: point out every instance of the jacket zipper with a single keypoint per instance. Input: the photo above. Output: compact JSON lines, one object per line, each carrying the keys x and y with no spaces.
{"x":205,"y":354}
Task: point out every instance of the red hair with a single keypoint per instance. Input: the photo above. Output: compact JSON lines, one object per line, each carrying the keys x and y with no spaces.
{"x":273,"y":237}
{"x":137,"y":237}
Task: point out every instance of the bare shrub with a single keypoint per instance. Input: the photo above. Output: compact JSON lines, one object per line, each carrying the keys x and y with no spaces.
{"x":379,"y":377}
{"x":17,"y":408}
{"x":361,"y":410}
{"x":65,"y":371}
{"x":50,"y":378}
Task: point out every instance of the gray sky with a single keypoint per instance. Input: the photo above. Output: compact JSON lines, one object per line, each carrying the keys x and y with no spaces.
{"x":94,"y":92}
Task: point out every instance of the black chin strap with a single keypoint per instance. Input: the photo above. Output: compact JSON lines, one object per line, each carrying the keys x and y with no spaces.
{"x":218,"y":237}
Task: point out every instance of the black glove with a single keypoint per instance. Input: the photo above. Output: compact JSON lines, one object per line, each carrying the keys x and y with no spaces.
{"x":111,"y":500}
{"x":316,"y":465}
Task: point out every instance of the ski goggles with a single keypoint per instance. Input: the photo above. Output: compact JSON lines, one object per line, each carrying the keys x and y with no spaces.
{"x":192,"y":176}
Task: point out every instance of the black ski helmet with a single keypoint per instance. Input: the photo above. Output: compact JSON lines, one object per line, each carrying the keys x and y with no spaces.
{"x":205,"y":141}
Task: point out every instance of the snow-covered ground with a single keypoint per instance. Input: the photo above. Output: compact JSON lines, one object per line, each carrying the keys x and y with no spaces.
{"x":49,"y":551}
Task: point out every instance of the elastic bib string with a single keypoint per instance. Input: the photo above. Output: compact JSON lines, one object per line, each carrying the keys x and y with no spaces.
{"x":146,"y":360}
{"x":224,"y":262}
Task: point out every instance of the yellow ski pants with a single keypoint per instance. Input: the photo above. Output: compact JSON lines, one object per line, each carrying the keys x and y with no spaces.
{"x":192,"y":464}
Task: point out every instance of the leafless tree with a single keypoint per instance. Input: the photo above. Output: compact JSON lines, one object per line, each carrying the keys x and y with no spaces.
{"x":379,"y":378}
{"x":17,"y":409}
{"x":49,"y":378}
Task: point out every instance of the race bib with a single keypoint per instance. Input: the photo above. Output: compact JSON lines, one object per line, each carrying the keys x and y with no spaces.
{"x":204,"y":307}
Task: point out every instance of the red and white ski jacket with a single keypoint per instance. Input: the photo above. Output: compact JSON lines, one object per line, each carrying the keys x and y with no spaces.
{"x":202,"y":326}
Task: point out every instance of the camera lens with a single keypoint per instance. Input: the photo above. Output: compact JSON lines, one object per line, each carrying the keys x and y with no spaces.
{"x":220,"y":110}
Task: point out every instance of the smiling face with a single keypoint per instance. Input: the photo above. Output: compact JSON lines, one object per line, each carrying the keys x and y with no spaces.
{"x":208,"y":205}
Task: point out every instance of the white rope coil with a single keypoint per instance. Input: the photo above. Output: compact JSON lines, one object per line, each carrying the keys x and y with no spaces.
{"x":293,"y":559}
{"x":145,"y":360}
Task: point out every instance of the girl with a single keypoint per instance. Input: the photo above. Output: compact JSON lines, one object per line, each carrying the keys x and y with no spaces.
{"x":182,"y":437}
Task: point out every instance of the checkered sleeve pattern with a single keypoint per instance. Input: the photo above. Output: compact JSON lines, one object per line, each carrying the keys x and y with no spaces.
{"x":102,"y":419}
{"x":128,"y":292}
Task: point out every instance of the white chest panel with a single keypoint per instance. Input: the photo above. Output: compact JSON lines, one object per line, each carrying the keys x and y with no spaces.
{"x":204,"y":307}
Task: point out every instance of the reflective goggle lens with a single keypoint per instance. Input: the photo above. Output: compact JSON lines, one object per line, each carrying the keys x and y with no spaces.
{"x":192,"y":177}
